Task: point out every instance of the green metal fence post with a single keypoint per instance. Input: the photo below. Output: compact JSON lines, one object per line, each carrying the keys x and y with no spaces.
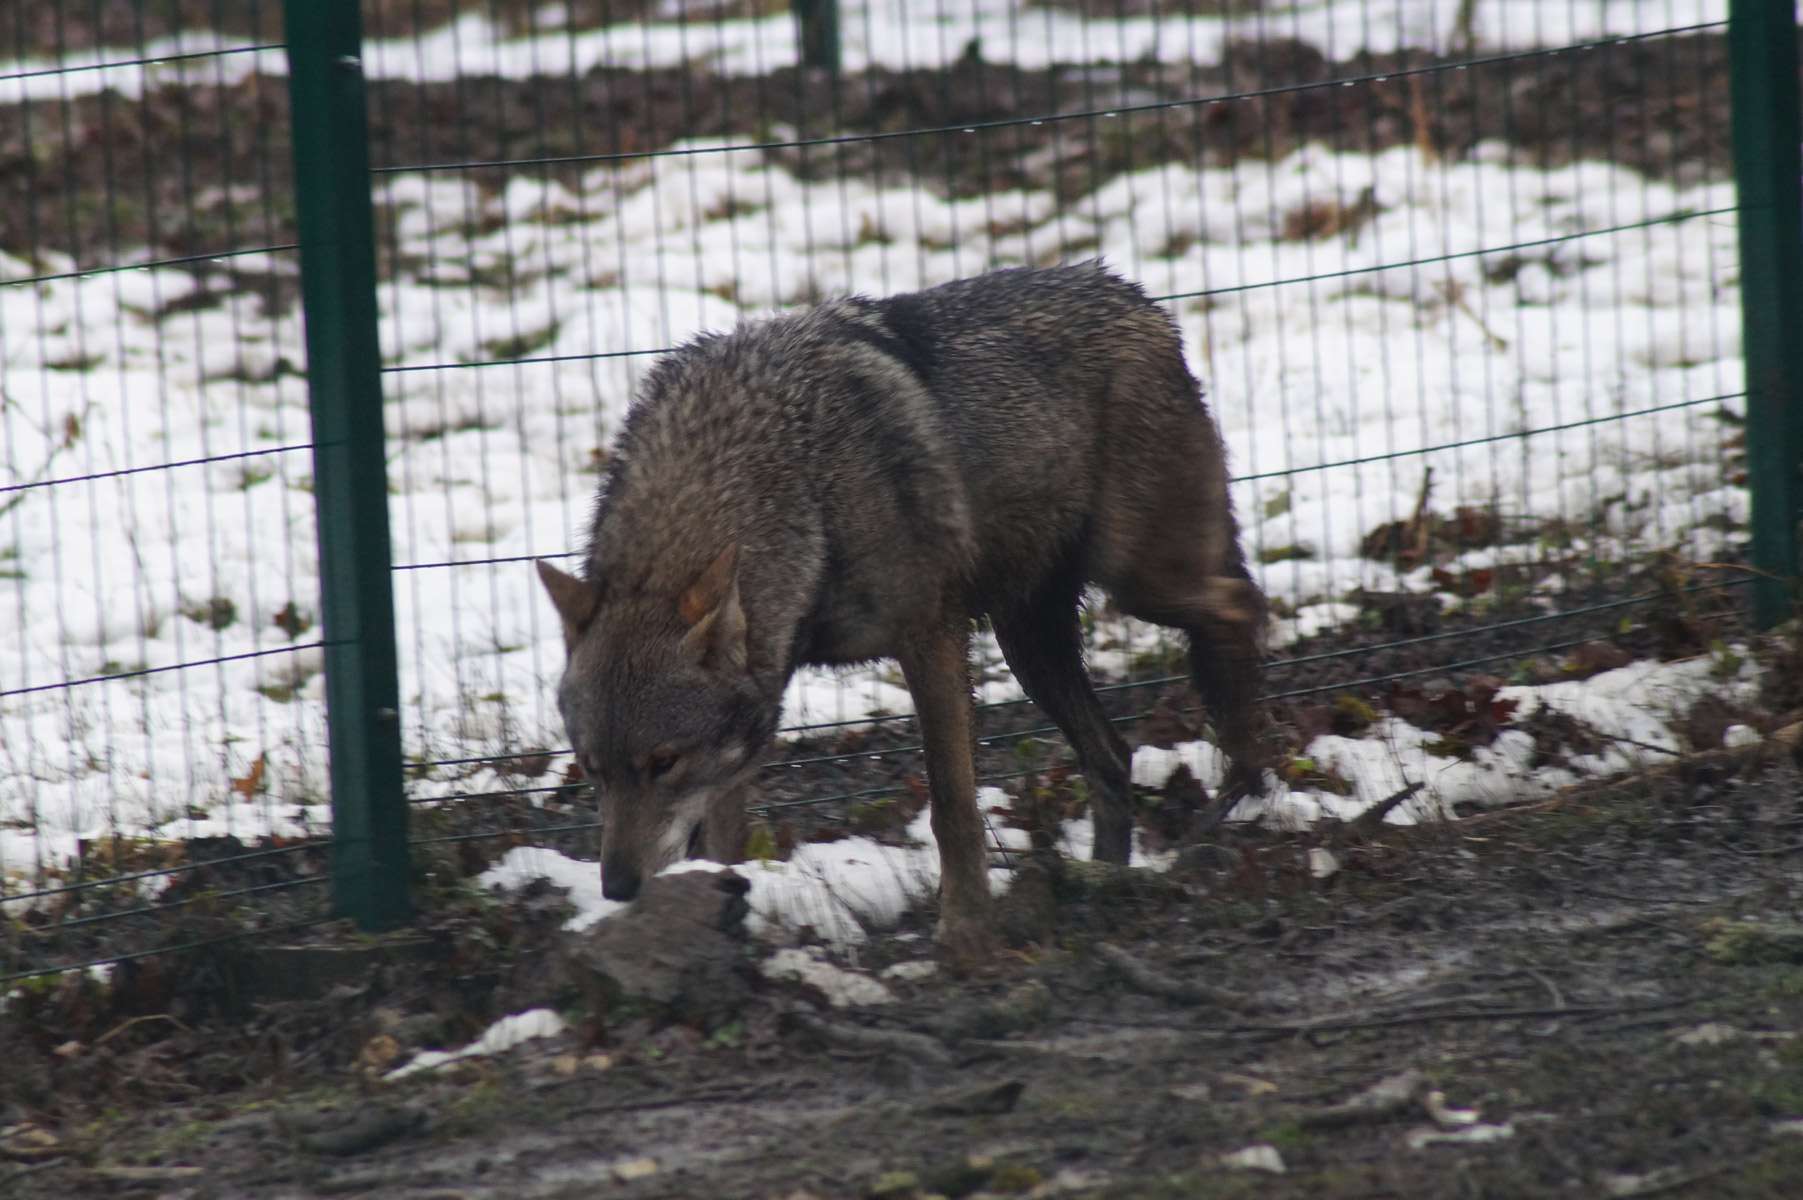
{"x":370,"y":874}
{"x":1768,"y":168}
{"x":817,"y":25}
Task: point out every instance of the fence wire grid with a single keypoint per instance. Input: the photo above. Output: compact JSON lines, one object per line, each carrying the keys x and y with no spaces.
{"x":1459,"y":277}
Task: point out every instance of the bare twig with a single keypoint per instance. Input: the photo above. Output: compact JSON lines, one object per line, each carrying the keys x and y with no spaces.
{"x":1154,"y":982}
{"x":1374,"y":816}
{"x":1353,"y":1021}
{"x":1385,"y":1098}
{"x":124,"y":1025}
{"x":859,"y":1037}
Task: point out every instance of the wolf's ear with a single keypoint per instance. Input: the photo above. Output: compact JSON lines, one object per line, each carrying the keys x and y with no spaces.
{"x":574,"y":600}
{"x":711,"y":610}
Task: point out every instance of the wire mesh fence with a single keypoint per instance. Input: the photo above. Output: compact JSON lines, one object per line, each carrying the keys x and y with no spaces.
{"x":1459,"y":280}
{"x":157,"y":541}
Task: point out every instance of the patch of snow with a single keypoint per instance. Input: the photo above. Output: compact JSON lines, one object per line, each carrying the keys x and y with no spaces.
{"x":582,"y":880}
{"x":498,"y":1038}
{"x":842,"y":988}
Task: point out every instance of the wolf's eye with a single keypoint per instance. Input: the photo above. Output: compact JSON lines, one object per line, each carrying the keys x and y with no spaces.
{"x":661,"y":763}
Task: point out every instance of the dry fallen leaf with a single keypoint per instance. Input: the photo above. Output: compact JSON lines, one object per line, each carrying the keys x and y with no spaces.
{"x":252,"y":783}
{"x":380,"y":1053}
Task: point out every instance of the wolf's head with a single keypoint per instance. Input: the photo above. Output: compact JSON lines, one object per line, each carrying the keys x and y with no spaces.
{"x":662,"y":713}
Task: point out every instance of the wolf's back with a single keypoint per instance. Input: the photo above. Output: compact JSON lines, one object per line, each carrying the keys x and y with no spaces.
{"x":979,"y":425}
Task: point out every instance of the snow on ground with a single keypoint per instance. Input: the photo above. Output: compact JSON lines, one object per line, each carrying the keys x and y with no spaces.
{"x":874,"y":33}
{"x":1619,"y":297}
{"x":839,"y":889}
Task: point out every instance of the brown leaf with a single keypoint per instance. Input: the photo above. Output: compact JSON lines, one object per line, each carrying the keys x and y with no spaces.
{"x":1593,"y":658}
{"x":1315,"y":720}
{"x":914,"y":799}
{"x":1169,"y":725}
{"x":252,"y":783}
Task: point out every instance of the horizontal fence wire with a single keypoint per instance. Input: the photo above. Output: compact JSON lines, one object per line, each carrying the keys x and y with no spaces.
{"x":157,"y":951}
{"x":1291,"y":281}
{"x":1050,"y":117}
{"x":149,"y":264}
{"x":163,"y":910}
{"x":1287,"y":472}
{"x":1450,"y":255}
{"x":121,"y":472}
{"x":154,"y":60}
{"x":1276,"y":664}
{"x":86,"y":885}
{"x":180,"y":666}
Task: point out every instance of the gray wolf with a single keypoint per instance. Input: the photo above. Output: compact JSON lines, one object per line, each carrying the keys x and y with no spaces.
{"x":862,"y":479}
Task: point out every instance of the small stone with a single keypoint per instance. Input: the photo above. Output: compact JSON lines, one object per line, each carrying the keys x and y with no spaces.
{"x":1321,"y":863}
{"x":27,"y":1142}
{"x":990,"y":1099}
{"x":1009,"y":1181}
{"x":1709,"y":1033}
{"x":1470,"y":1135}
{"x":565,"y":1064}
{"x":1736,"y":736}
{"x":599,"y":1062}
{"x":1647,"y":1184}
{"x":1382,"y":1099}
{"x":347,"y":1131}
{"x":895,"y":1185}
{"x":960,"y":1176}
{"x":1444,"y":1117}
{"x":1262,"y":1157}
{"x":921,"y":968}
{"x":635,"y":1168}
{"x":1248,"y":1085}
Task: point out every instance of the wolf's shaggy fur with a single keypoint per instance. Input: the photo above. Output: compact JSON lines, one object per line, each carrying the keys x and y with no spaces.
{"x":858,"y":481}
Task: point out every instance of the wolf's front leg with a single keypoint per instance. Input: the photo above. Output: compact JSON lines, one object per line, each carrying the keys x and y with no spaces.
{"x":936,"y":664}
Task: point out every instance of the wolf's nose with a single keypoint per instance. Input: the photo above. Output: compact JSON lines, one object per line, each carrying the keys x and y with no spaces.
{"x":620,"y":882}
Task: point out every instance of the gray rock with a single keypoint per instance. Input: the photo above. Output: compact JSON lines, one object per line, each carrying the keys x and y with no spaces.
{"x":678,"y":951}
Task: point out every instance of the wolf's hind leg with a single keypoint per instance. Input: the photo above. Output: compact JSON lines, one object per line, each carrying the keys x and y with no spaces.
{"x":936,"y":664}
{"x":1042,"y":642}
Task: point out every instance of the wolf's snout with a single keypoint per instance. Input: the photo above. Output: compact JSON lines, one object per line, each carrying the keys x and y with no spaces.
{"x":620,"y":881}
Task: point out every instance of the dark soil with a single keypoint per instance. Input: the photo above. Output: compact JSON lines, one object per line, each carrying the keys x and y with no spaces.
{"x":1615,"y":980}
{"x":202,"y":169}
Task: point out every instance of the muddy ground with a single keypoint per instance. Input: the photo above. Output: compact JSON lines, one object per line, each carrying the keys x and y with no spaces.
{"x":1611,"y":984}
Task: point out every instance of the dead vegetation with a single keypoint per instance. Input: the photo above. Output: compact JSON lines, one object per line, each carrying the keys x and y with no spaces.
{"x":199,"y":169}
